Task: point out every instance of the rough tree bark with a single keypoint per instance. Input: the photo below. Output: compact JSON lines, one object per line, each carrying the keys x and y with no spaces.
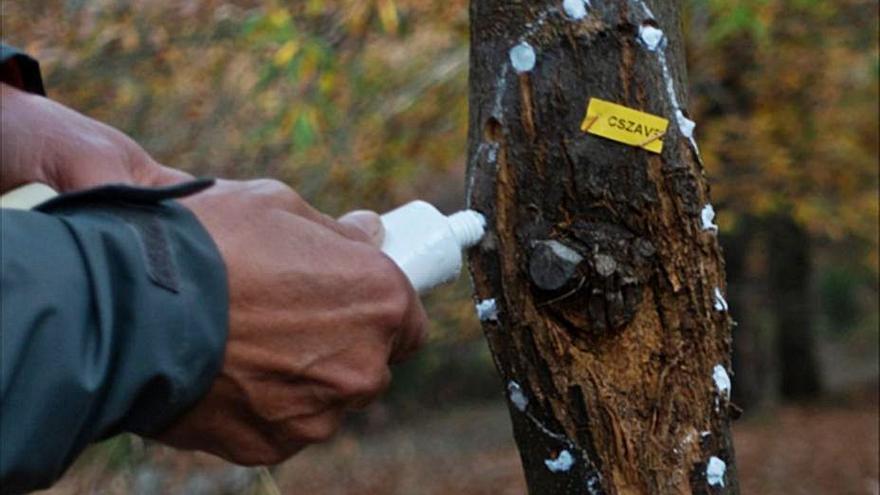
{"x":598,"y":277}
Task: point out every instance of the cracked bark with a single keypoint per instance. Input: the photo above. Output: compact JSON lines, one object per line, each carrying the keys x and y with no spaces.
{"x":603,"y":278}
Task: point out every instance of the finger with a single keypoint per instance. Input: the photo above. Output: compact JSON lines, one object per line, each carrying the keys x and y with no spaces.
{"x":347,"y":230}
{"x":317,"y":428}
{"x":367,"y":221}
{"x":161,"y":175}
{"x":413,"y":333}
{"x":282,"y":196}
{"x":361,"y":401}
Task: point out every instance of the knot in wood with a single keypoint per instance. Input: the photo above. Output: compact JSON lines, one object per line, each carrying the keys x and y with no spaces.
{"x":604,"y":264}
{"x":552,"y":264}
{"x":610,"y":265}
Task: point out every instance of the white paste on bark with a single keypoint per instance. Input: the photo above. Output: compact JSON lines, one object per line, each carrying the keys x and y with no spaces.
{"x":651,"y":36}
{"x":523,"y":57}
{"x":561,"y":464}
{"x":576,"y":9}
{"x":685,"y":125}
{"x":707,"y":217}
{"x":487,"y":311}
{"x":722,"y":381}
{"x":655,"y":41}
{"x":517,"y":397}
{"x":715,"y":471}
{"x":720,"y":302}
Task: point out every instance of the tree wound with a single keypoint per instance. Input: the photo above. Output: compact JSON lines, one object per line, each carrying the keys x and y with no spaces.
{"x":492,"y":130}
{"x":601,"y":267}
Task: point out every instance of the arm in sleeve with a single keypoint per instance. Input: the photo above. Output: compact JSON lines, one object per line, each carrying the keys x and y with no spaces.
{"x":114,"y":318}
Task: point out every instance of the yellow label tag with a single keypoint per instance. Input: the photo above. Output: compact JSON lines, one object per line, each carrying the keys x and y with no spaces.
{"x":625,"y":125}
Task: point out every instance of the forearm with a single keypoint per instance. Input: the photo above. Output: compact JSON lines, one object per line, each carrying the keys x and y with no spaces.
{"x":20,"y":155}
{"x":20,"y":83}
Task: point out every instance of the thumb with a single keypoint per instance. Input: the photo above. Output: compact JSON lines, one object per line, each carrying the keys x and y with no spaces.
{"x":368,"y":222}
{"x":160,"y":175}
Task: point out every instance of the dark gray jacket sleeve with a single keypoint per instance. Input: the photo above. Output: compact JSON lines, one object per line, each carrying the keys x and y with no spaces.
{"x":114,"y":317}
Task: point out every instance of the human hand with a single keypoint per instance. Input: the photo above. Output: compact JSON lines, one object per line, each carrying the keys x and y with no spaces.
{"x":317,"y":312}
{"x":44,"y":141}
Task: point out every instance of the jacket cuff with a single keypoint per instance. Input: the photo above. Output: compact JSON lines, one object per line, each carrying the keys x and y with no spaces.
{"x":154,"y":259}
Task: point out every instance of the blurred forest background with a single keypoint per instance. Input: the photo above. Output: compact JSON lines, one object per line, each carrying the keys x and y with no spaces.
{"x":363,"y":103}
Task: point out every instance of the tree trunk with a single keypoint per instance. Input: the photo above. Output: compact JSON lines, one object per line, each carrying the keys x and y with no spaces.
{"x":748,"y":296}
{"x":789,"y":279}
{"x":597,"y":280}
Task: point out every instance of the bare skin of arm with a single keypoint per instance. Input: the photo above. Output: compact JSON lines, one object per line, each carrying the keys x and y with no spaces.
{"x":317,"y":313}
{"x":45,"y":141}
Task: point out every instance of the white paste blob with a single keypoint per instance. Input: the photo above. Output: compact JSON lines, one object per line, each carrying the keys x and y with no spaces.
{"x":562,"y":463}
{"x":685,"y":125}
{"x":722,"y":380}
{"x":576,"y":9}
{"x":708,"y":218}
{"x":650,"y":36}
{"x":487,"y":311}
{"x":715,"y":471}
{"x":517,"y":397}
{"x":720,"y":302}
{"x":522,"y":57}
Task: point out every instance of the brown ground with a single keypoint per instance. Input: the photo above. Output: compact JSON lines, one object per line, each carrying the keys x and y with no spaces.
{"x":830,"y":448}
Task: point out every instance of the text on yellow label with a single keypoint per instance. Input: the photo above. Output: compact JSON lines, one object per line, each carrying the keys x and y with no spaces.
{"x":625,"y":125}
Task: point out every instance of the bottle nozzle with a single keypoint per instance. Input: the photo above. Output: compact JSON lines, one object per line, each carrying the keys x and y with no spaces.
{"x":467,"y":227}
{"x":427,"y":244}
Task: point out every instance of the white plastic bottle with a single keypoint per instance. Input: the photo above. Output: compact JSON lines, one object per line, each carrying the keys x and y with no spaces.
{"x":427,"y":244}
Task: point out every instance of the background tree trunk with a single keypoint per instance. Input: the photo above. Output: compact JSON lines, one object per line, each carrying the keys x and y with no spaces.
{"x":597,"y":279}
{"x":789,"y":273}
{"x":753,"y":356}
